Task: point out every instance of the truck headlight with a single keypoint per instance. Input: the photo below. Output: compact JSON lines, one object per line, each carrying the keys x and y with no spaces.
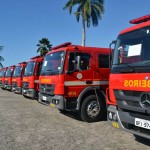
{"x":57,"y":101}
{"x":110,"y":115}
{"x":114,"y":117}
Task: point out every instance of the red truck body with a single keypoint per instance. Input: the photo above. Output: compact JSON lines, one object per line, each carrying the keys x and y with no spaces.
{"x":74,"y":78}
{"x":30,"y":82}
{"x":128,"y":96}
{"x":17,"y":77}
{"x":8,"y":78}
{"x":2,"y":77}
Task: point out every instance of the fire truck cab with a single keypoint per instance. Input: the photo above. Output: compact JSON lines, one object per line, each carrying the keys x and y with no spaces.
{"x":30,"y":82}
{"x":74,"y":78}
{"x":128,"y":96}
{"x":2,"y":77}
{"x":8,"y":78}
{"x":17,"y":77}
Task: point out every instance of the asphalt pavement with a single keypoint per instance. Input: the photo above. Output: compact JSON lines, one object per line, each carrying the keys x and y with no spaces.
{"x":26,"y":124}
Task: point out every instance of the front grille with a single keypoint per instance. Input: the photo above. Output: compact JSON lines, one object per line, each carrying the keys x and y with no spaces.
{"x":140,"y":115}
{"x":127,"y":98}
{"x":14,"y":84}
{"x":130,"y":93}
{"x":131,"y":100}
{"x":25,"y":85}
{"x":133,"y":103}
{"x":47,"y":89}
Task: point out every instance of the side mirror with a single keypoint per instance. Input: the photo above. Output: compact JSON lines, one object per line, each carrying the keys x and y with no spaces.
{"x":71,"y":67}
{"x":78,"y":62}
{"x":111,"y":52}
{"x":74,"y":65}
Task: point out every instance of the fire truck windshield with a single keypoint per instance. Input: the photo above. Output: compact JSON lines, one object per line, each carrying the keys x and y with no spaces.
{"x":53,"y":63}
{"x":132,"y":51}
{"x":17,"y":71}
{"x":29,"y":70}
{"x":8,"y":72}
{"x":2,"y":73}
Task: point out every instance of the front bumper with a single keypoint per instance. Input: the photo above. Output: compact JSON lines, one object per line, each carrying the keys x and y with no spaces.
{"x":17,"y":90}
{"x":8,"y":87}
{"x":2,"y":86}
{"x":56,"y":101}
{"x":123,"y":120}
{"x":29,"y":93}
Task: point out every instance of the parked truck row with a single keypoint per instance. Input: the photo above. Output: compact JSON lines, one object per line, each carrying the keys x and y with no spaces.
{"x":69,"y":78}
{"x":93,"y":81}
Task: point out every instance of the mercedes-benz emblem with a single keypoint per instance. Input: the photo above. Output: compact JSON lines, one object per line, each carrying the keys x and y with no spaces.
{"x":146,"y":78}
{"x":145,"y":99}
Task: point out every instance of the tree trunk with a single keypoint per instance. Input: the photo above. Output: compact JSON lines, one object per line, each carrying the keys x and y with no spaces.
{"x":83,"y":32}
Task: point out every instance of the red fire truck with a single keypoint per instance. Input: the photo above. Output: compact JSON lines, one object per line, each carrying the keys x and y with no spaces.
{"x":30,"y":82}
{"x":17,"y":77}
{"x":74,"y":78}
{"x":128,"y":96}
{"x":8,"y":78}
{"x":2,"y":77}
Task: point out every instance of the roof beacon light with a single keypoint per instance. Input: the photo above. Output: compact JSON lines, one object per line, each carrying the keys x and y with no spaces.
{"x":61,"y":45}
{"x":22,"y":63}
{"x":140,"y":20}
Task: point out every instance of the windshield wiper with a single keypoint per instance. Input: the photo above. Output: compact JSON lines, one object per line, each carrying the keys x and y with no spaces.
{"x":146,"y":62}
{"x":28,"y":73}
{"x":49,"y":70}
{"x":122,"y":68}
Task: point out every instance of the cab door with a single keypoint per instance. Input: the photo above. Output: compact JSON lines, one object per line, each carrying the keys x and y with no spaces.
{"x":79,"y":73}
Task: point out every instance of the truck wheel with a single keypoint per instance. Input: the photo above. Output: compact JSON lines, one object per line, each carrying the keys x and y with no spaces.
{"x":92,"y":110}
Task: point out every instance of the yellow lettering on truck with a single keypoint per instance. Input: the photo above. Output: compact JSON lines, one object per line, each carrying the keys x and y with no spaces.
{"x":137,"y":83}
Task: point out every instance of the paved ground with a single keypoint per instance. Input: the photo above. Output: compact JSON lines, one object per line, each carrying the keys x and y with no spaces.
{"x":28,"y":125}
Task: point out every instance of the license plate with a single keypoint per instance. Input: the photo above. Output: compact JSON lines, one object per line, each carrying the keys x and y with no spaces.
{"x":52,"y":105}
{"x":142,"y":123}
{"x":44,"y":98}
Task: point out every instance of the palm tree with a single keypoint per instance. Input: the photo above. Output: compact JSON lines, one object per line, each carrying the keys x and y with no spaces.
{"x":89,"y":10}
{"x":1,"y":58}
{"x":44,"y":46}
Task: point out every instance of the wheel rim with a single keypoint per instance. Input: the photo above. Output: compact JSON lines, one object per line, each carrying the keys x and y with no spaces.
{"x":93,"y":109}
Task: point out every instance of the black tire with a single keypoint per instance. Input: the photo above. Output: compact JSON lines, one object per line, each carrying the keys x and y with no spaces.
{"x":100,"y":113}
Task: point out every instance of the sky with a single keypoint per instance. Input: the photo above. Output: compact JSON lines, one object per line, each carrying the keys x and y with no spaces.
{"x":24,"y":22}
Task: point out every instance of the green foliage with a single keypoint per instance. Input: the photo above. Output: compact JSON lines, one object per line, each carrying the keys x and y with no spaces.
{"x":89,"y":10}
{"x":43,"y":46}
